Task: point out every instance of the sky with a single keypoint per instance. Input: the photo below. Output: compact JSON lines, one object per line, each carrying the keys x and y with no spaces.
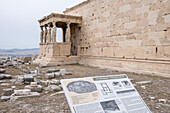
{"x":19,"y":27}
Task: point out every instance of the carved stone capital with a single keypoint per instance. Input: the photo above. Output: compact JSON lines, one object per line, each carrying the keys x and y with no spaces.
{"x":49,"y":26}
{"x":68,"y":24}
{"x":41,"y":28}
{"x":54,"y":24}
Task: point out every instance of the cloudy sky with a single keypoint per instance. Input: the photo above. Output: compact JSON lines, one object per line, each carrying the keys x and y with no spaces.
{"x":19,"y":27}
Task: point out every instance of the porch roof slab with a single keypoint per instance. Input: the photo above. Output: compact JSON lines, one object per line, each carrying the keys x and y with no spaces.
{"x":55,"y":17}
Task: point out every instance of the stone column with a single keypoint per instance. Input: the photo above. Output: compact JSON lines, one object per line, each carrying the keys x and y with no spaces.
{"x":64,"y":34}
{"x":49,"y":34}
{"x":41,"y":34}
{"x":68,"y":32}
{"x":54,"y":32}
{"x":45,"y":35}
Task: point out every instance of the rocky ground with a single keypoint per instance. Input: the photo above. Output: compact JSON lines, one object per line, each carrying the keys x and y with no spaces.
{"x":159,"y":88}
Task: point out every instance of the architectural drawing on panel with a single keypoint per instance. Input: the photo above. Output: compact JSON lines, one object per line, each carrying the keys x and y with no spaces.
{"x":105,"y":89}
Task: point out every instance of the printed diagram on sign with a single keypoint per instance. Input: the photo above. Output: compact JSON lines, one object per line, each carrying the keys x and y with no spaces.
{"x":110,"y":106}
{"x":117,"y":85}
{"x":81,"y":87}
{"x":105,"y":89}
{"x":126,"y":84}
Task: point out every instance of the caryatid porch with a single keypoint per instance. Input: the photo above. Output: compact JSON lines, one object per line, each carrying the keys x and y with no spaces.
{"x":49,"y":48}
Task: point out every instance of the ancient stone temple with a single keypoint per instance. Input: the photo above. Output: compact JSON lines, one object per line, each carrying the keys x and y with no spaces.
{"x":129,"y":35}
{"x":52,"y":52}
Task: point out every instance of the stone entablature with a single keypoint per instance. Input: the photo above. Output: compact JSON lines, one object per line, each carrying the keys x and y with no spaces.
{"x":54,"y":17}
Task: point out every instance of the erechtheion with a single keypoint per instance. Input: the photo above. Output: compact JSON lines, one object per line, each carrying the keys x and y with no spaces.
{"x":126,"y":35}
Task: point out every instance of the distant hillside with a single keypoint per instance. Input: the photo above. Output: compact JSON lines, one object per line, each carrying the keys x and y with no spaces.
{"x":19,"y":52}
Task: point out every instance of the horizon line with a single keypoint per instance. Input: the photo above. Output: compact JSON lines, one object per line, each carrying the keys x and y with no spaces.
{"x":19,"y":48}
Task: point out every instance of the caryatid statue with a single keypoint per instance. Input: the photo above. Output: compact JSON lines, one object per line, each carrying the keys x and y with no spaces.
{"x":54,"y":32}
{"x":68,"y":32}
{"x":45,"y":35}
{"x":49,"y":33}
{"x":41,"y":34}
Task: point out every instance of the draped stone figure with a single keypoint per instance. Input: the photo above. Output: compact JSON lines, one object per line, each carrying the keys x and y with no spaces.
{"x":41,"y":35}
{"x":45,"y":35}
{"x":68,"y":33}
{"x":54,"y":33}
{"x":49,"y":34}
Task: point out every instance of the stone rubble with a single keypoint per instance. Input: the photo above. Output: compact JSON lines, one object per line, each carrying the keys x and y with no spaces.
{"x":22,"y":92}
{"x":49,"y":76}
{"x":2,"y":66}
{"x":7,"y":92}
{"x":2,"y":70}
{"x":34,"y":87}
{"x":57,"y":74}
{"x":31,"y":77}
{"x":3,"y":81}
{"x":20,"y":80}
{"x":54,"y":82}
{"x":13,"y":87}
{"x":60,"y":92}
{"x":39,"y":77}
{"x":37,"y":80}
{"x":53,"y":88}
{"x":31,"y":94}
{"x":5,"y":84}
{"x":1,"y":63}
{"x":24,"y":79}
{"x":152,"y":98}
{"x":143,"y":82}
{"x":2,"y":76}
{"x":68,"y":73}
{"x":60,"y":86}
{"x":9,"y":64}
{"x":53,"y":85}
{"x":162,"y":100}
{"x":5,"y":76}
{"x":52,"y":70}
{"x":28,"y":78}
{"x":13,"y":80}
{"x":63,"y":72}
{"x":5,"y":98}
{"x":143,"y":87}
